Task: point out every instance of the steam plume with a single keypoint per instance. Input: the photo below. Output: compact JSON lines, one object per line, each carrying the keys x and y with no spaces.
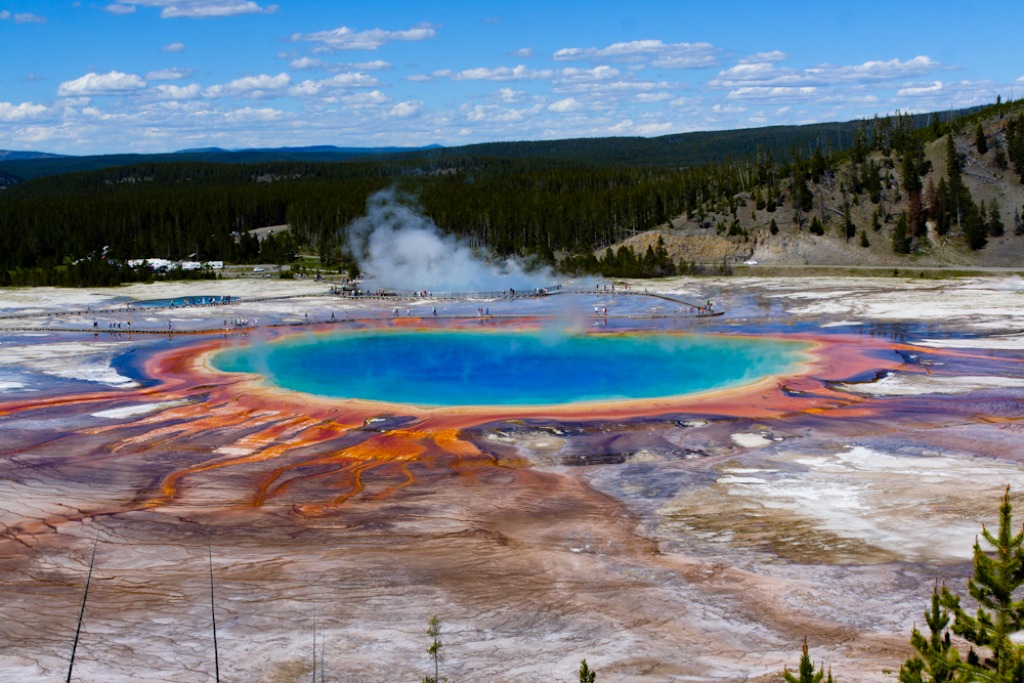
{"x":401,"y":249}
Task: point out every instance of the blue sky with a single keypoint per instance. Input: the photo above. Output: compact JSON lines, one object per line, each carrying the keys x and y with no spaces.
{"x":162,"y":75}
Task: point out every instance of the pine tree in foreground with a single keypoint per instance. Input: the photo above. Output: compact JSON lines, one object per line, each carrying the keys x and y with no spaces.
{"x":587,"y":675}
{"x":434,"y":631}
{"x":806,"y":672}
{"x":998,"y":574}
{"x":936,"y":661}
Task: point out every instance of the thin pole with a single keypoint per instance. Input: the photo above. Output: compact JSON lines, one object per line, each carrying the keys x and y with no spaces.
{"x":81,"y":611}
{"x":213,"y":617}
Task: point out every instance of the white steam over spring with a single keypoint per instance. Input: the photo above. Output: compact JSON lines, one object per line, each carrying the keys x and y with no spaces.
{"x":401,"y":249}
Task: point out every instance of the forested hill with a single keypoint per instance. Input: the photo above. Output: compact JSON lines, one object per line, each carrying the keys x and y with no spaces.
{"x":682,"y":149}
{"x":895,"y":193}
{"x":27,"y":166}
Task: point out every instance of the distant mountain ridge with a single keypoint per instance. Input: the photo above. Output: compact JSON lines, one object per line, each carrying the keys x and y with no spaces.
{"x":13,"y":155}
{"x":29,"y":165}
{"x":677,"y":149}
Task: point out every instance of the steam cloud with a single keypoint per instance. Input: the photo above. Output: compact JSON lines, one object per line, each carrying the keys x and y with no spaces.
{"x":401,"y":249}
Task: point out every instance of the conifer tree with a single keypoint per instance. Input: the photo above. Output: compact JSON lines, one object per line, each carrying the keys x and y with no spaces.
{"x":587,"y":675}
{"x":980,"y":141}
{"x":806,"y":672}
{"x":434,"y":631}
{"x":936,"y":661}
{"x":995,"y":220}
{"x":901,"y":235}
{"x":997,"y":578}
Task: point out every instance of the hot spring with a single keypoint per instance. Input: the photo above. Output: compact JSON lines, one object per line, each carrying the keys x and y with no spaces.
{"x":463,"y":368}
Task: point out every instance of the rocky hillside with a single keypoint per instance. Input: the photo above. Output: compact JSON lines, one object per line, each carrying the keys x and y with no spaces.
{"x":743,"y":232}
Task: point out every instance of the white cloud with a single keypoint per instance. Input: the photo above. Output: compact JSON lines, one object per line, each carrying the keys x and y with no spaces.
{"x":766,"y":74}
{"x":569,"y":104}
{"x":112,"y":83}
{"x":772,"y":93}
{"x":511,"y":96}
{"x":501,"y":73}
{"x":20,"y":112}
{"x":364,"y":99}
{"x":373,"y":65}
{"x":262,"y":85}
{"x":247,"y":114}
{"x":310,"y":63}
{"x":921,"y":90}
{"x":5,"y":15}
{"x":169,"y":74}
{"x":173,"y":47}
{"x":404,"y":110}
{"x":727,"y":109}
{"x":649,"y":97}
{"x":178,"y":92}
{"x":522,"y":53}
{"x":118,"y":8}
{"x":26,"y":18}
{"x":304,"y":63}
{"x":491,"y":114}
{"x":344,"y":38}
{"x":311,"y":88}
{"x":656,"y":52}
{"x":197,"y":9}
{"x":598,"y":73}
{"x":760,"y":57}
{"x":653,"y":128}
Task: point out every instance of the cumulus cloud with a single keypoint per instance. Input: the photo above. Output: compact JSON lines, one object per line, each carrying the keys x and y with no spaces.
{"x":169,"y":74}
{"x":20,"y":112}
{"x":5,"y":15}
{"x":405,"y":110}
{"x":650,"y":97}
{"x":248,"y":114}
{"x":598,"y":73}
{"x":173,"y":47}
{"x":346,"y":80}
{"x":304,"y":63}
{"x":178,"y":92}
{"x":501,"y":73}
{"x":921,"y":90}
{"x":655,"y":52}
{"x":262,"y":85}
{"x":494,"y":114}
{"x":344,"y":38}
{"x":511,"y":96}
{"x":653,"y":128}
{"x":767,"y":74}
{"x":194,"y":9}
{"x":313,"y":64}
{"x":373,"y":65}
{"x":773,"y":93}
{"x":568,"y":104}
{"x":112,"y":83}
{"x":761,"y":57}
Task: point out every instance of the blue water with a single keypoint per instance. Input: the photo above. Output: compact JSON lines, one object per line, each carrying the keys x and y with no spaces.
{"x":449,"y":368}
{"x":184,"y":301}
